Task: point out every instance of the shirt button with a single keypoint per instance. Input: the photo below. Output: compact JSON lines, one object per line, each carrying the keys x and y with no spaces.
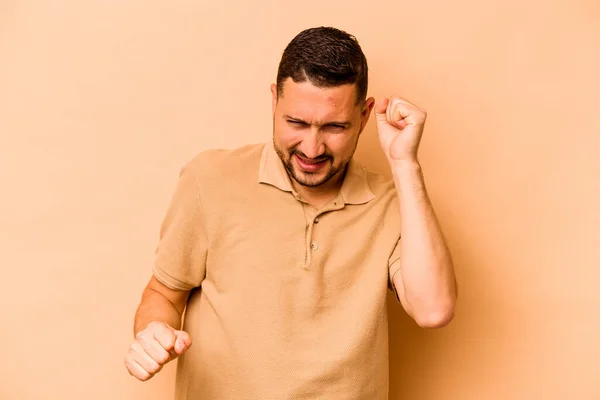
{"x":316,"y":220}
{"x":314,"y":246}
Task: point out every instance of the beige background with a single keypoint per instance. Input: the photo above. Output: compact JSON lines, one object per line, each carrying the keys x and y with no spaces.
{"x":101,"y":103}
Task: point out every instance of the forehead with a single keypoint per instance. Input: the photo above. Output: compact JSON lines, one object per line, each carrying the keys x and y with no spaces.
{"x":312,"y":103}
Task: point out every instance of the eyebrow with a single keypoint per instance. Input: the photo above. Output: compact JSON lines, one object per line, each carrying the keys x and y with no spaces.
{"x":345,"y":124}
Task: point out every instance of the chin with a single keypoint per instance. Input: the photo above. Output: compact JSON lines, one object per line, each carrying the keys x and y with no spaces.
{"x":310,"y":179}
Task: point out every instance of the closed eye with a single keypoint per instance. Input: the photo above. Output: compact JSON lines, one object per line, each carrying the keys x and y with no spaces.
{"x":335,"y":127}
{"x":332,"y":127}
{"x":298,"y":124}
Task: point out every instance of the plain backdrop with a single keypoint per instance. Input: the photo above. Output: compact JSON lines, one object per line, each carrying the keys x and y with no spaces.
{"x":102,"y":102}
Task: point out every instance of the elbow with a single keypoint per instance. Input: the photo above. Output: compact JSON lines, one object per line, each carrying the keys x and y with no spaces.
{"x":441,"y":313}
{"x":437,"y":318}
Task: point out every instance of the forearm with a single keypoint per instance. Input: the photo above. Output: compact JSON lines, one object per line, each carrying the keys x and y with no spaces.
{"x":426,"y":268}
{"x":156,"y":307}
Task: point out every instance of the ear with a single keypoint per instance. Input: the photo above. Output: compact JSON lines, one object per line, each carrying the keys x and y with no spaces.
{"x":366,"y":113}
{"x":274,"y":97}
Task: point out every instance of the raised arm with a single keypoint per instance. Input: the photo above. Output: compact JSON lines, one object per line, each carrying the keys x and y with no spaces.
{"x":425,"y":281}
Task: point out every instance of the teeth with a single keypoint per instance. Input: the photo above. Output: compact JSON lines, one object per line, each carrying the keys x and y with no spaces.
{"x":311,"y":162}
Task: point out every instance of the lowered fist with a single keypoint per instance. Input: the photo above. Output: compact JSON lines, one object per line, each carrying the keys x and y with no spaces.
{"x":153,"y":347}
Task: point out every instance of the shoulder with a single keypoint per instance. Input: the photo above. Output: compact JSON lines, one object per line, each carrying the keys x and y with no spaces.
{"x":219,"y":162}
{"x":220,"y":170}
{"x":380,"y":184}
{"x":385,"y":204}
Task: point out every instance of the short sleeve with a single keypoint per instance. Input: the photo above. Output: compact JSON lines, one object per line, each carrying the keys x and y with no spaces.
{"x":394,"y":266}
{"x":180,"y":258}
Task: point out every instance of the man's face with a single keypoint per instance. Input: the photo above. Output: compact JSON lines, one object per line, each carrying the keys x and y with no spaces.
{"x":316,"y":130}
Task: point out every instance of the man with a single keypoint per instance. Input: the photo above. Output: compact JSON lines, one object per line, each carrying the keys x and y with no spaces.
{"x":281,"y":254}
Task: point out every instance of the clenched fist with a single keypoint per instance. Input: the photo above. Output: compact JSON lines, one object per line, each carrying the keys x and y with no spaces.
{"x":400,"y":125}
{"x":153,"y":347}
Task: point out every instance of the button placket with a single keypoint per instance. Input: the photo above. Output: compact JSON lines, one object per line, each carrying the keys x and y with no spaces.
{"x":314,"y":246}
{"x":314,"y":216}
{"x":309,"y":235}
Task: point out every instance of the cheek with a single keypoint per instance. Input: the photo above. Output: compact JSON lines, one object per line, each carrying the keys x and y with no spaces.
{"x":287,"y":137}
{"x":341,"y":145}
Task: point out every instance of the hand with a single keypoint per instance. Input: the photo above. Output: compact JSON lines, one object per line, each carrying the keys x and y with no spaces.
{"x":153,"y":347}
{"x":400,"y":125}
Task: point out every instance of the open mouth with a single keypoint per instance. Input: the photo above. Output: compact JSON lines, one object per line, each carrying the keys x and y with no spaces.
{"x":310,"y":165}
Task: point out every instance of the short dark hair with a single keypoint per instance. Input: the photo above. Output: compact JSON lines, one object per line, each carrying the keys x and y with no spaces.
{"x":327,"y":57}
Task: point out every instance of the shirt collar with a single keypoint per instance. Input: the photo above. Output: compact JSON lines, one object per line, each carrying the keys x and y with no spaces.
{"x":355,"y":188}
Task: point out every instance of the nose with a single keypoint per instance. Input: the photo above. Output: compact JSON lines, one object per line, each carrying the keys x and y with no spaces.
{"x":312,"y":145}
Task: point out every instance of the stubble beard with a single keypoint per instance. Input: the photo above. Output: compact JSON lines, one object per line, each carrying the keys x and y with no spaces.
{"x":307,"y":179}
